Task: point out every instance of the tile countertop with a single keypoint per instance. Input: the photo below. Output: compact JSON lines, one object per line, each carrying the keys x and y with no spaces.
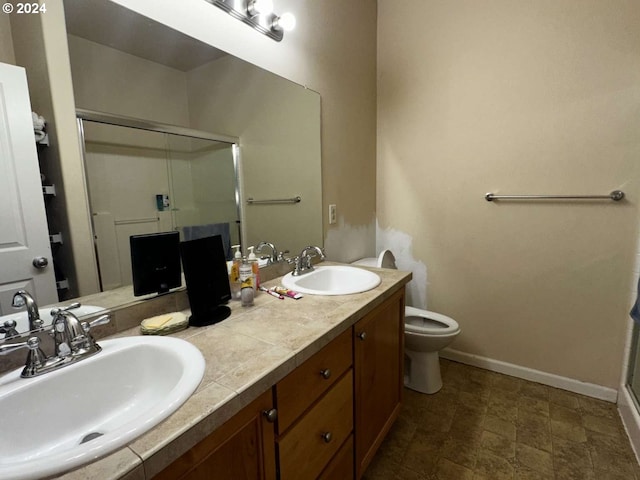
{"x":245,"y":355}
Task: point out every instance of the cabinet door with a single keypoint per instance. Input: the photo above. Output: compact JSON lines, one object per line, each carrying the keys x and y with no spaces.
{"x":241,"y":449}
{"x":379,"y":376}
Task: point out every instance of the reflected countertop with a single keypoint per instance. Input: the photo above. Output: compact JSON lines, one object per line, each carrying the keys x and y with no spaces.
{"x":245,"y":355}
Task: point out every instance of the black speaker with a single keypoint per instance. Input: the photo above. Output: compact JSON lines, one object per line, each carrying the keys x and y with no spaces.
{"x":205,"y":272}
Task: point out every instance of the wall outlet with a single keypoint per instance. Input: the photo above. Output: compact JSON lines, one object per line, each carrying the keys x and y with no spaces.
{"x":332,"y":214}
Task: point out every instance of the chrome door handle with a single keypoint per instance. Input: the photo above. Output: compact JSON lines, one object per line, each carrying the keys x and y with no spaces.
{"x":40,"y":262}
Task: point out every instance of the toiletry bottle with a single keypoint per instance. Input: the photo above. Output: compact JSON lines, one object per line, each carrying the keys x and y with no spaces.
{"x":234,"y":275}
{"x":253,"y":260}
{"x":246,"y":283}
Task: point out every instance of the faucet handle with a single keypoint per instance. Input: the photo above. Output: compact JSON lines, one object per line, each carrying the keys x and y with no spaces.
{"x":281,"y":256}
{"x":90,"y":342}
{"x":101,"y":320}
{"x":55,"y":311}
{"x":33,"y":344}
{"x":9,"y":328}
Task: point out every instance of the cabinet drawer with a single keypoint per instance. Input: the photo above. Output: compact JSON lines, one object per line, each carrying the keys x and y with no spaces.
{"x":297,"y":391}
{"x":309,"y":446}
{"x":341,"y":466}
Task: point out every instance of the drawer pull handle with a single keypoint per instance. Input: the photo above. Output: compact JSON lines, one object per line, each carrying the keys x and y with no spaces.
{"x":362,"y":335}
{"x":327,"y":437}
{"x":271,"y":415}
{"x":326,"y":373}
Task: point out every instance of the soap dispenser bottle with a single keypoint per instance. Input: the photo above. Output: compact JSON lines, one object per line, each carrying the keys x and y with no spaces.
{"x":234,"y":275}
{"x":255,"y":268}
{"x":246,"y":283}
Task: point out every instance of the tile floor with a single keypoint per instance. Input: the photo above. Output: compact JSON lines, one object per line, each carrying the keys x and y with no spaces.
{"x":487,"y":426}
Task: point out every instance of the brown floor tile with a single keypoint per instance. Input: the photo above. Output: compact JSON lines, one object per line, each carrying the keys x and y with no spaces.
{"x":447,"y":470}
{"x":569,"y":431}
{"x":494,"y":467}
{"x":599,"y":408}
{"x":535,"y":405}
{"x":397,"y":441}
{"x":487,"y":426}
{"x":534,"y":430}
{"x":535,"y":459}
{"x":421,"y":455}
{"x":535,"y":390}
{"x":461,"y":452}
{"x":567,"y":453}
{"x":608,"y":426}
{"x":507,"y":383}
{"x":564,"y":398}
{"x":564,"y":414}
{"x":502,"y":427}
{"x":498,"y":444}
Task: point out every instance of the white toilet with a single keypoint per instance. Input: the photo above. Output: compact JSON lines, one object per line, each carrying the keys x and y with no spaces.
{"x":425,"y":334}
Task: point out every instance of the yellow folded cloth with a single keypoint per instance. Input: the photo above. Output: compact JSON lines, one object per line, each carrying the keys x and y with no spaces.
{"x":164,"y":324}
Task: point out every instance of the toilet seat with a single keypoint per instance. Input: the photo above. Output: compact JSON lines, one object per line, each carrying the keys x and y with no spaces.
{"x":429,"y":323}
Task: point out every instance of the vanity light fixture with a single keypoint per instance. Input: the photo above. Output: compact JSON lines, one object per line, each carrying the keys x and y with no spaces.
{"x":259,"y":15}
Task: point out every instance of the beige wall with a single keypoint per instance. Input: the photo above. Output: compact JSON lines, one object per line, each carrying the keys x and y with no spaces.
{"x":332,"y":51}
{"x":6,"y":42}
{"x":278,"y":124}
{"x":108,"y":80}
{"x":522,"y":98}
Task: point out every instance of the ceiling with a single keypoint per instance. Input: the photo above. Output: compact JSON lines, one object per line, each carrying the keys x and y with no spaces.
{"x":107,"y":23}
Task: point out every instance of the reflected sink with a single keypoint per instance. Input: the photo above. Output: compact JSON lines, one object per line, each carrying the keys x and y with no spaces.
{"x":332,"y":280}
{"x":72,"y":416}
{"x":23,"y":322}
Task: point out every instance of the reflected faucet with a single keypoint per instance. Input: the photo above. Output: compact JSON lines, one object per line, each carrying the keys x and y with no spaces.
{"x":275,"y":256}
{"x":73,"y":342}
{"x":22,"y":298}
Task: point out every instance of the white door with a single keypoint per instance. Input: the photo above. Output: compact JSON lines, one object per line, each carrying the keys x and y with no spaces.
{"x":23,"y":225}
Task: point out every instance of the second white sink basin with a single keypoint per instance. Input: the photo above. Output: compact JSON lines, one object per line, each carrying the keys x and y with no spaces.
{"x":332,"y":280}
{"x":69,"y":417}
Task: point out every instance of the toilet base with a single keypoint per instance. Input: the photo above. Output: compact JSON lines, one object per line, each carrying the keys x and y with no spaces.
{"x":422,"y":372}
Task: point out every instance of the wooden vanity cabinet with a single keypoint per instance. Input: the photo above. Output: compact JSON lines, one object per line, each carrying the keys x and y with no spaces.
{"x":243,"y":448}
{"x":378,"y":348}
{"x":315,"y":415}
{"x":333,"y":412}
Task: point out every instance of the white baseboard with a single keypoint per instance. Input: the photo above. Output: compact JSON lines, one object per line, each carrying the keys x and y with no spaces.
{"x":630,"y":419}
{"x":565,"y":383}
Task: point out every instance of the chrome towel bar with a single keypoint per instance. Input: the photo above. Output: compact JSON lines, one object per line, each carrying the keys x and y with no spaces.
{"x":252,"y":201}
{"x":616,"y":196}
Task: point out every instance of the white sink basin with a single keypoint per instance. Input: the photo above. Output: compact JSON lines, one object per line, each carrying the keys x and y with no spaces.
{"x":116,"y":395}
{"x":332,"y":280}
{"x":22,"y":320}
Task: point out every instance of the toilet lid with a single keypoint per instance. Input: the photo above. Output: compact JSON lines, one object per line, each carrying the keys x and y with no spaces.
{"x":428,"y":323}
{"x":387,"y":260}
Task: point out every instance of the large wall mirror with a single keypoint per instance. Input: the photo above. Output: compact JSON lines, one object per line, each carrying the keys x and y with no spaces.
{"x":126,"y":66}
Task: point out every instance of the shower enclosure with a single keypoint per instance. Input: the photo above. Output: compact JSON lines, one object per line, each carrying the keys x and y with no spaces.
{"x":148,"y":178}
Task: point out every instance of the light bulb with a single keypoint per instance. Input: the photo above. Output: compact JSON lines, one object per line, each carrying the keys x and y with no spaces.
{"x":260,"y":7}
{"x":286,"y":22}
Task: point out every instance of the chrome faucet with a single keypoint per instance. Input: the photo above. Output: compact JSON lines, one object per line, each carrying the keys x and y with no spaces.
{"x":22,"y":298}
{"x":72,"y":338}
{"x":275,"y":256}
{"x":303,"y":262}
